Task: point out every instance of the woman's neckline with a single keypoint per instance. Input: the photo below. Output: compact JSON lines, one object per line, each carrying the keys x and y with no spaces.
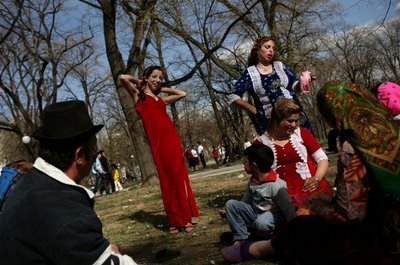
{"x":280,"y":142}
{"x":265,"y":69}
{"x":151,"y":95}
{"x":282,"y":138}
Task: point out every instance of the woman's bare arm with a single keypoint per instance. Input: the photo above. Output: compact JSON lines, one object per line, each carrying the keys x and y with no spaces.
{"x":245,"y":105}
{"x":312,"y":183}
{"x":132,"y":85}
{"x":173,"y":95}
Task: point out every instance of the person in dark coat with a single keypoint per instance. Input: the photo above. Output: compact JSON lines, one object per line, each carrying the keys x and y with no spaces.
{"x":49,"y":217}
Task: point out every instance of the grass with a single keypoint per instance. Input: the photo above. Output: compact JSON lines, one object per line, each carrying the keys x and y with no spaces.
{"x":134,"y":220}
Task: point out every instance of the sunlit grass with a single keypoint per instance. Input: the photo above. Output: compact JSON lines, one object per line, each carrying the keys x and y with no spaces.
{"x":134,"y":220}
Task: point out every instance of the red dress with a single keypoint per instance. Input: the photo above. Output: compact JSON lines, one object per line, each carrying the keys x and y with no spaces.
{"x":168,"y":155}
{"x":294,"y":162}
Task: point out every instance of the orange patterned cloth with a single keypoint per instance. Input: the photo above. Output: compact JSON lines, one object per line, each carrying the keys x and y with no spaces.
{"x":368,"y":126}
{"x":350,"y":202}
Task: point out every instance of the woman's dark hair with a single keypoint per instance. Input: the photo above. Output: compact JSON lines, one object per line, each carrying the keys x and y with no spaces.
{"x":260,"y":154}
{"x":61,"y":156}
{"x":253,"y":56}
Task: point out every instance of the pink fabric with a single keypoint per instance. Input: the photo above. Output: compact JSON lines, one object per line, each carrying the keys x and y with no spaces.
{"x":389,"y":96}
{"x":305,"y":82}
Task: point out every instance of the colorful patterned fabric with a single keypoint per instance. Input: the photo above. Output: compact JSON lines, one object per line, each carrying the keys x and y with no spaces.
{"x":352,"y":190}
{"x":368,"y":126}
{"x":266,"y":90}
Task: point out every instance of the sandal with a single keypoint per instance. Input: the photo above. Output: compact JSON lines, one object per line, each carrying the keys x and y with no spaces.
{"x":173,"y":230}
{"x":189,"y":227}
{"x":195,"y":220}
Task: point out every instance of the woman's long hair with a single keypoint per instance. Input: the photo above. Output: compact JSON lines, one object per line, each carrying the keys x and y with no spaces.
{"x":253,"y":56}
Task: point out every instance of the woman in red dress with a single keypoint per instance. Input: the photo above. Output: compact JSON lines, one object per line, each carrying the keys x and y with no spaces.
{"x":165,"y":145}
{"x":299,"y":158}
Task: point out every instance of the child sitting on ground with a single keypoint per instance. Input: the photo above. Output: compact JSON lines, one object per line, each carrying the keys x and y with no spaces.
{"x":266,"y":202}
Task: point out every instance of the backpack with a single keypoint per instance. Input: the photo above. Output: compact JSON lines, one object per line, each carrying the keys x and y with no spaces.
{"x":10,"y":175}
{"x":8,"y":178}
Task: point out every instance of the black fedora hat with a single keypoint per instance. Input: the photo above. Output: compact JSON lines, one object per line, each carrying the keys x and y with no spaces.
{"x":66,"y":121}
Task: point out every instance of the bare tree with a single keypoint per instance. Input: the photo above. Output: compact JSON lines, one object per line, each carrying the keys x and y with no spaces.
{"x":10,"y":11}
{"x":386,"y":40}
{"x":224,"y":28}
{"x":35,"y":62}
{"x":139,"y":23}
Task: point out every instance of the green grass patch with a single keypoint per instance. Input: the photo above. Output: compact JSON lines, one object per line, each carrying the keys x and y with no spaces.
{"x":134,"y":220}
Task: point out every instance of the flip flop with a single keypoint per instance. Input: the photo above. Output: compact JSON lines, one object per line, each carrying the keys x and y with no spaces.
{"x":173,"y":230}
{"x":195,"y":220}
{"x":189,"y":227}
{"x":166,"y":254}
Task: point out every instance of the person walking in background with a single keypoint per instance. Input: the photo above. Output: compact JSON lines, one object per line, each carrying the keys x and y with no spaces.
{"x":215,"y":155}
{"x":116,"y":178}
{"x":104,"y":181}
{"x":299,"y":158}
{"x":190,"y":158}
{"x":267,"y":80}
{"x":227,"y":145}
{"x":195,"y":156}
{"x":107,"y":171}
{"x":177,"y":194}
{"x":98,"y":178}
{"x":49,"y":218}
{"x":200,"y":151}
{"x":123,"y":174}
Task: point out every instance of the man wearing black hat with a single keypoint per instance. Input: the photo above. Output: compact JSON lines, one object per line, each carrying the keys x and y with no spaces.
{"x":49,"y":218}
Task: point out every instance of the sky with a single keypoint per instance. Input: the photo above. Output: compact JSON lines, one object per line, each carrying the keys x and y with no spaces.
{"x":359,"y":12}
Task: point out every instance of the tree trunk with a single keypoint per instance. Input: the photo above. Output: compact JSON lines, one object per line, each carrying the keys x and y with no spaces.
{"x":141,"y":146}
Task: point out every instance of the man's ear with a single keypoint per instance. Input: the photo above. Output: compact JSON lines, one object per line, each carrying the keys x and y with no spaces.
{"x":79,"y":155}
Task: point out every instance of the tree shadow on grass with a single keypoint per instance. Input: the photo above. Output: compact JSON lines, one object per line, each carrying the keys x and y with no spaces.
{"x":145,"y":253}
{"x":156,"y":218}
{"x":219,"y":198}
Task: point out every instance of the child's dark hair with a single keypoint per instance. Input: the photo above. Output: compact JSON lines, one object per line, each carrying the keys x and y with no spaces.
{"x":260,"y":154}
